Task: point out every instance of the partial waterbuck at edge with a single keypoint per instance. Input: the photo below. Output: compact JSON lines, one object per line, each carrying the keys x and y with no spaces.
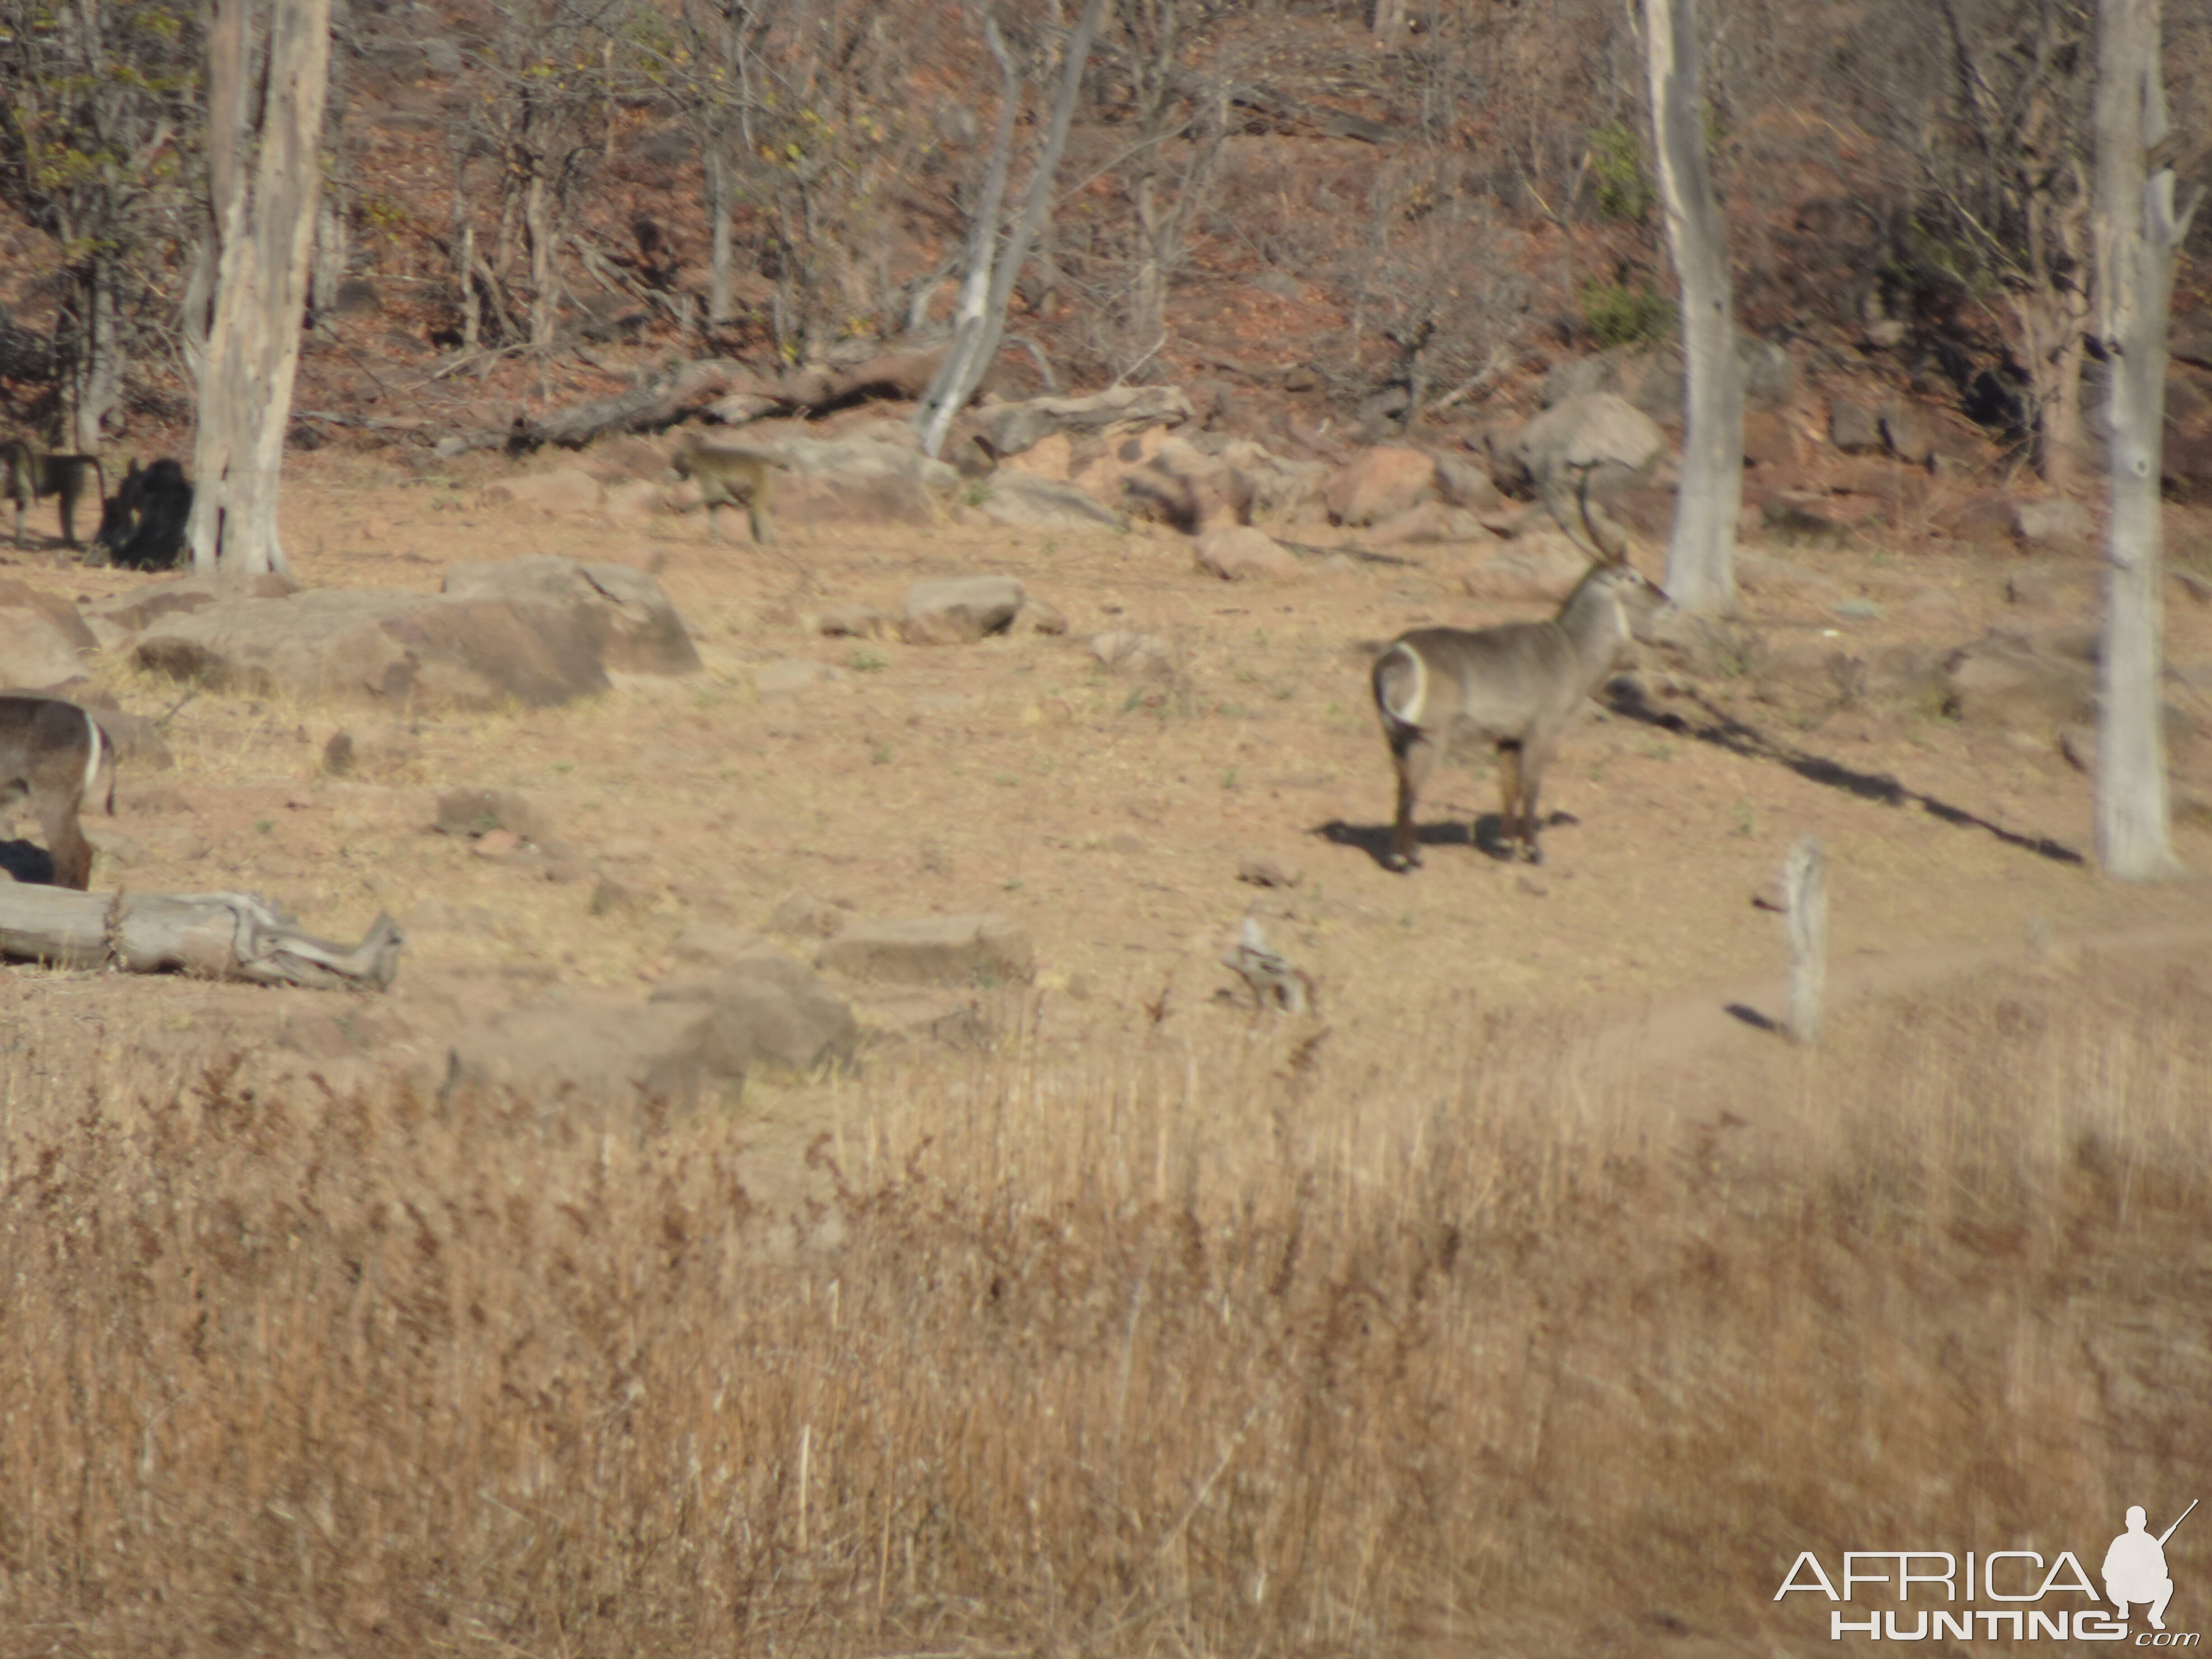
{"x":51,"y":755}
{"x":1515,"y":687}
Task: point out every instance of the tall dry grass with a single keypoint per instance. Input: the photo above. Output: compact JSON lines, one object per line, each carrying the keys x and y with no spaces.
{"x":1264,"y":1343}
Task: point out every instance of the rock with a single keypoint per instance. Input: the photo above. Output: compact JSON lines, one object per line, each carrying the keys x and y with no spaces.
{"x":986,"y":949}
{"x":802,"y":914}
{"x":1036,"y":617}
{"x":787,"y":675}
{"x":958,"y":609}
{"x":1051,"y":457}
{"x":855,"y":478}
{"x":2016,"y":683}
{"x":1025,"y":502}
{"x":1262,"y":870}
{"x":1853,"y":428}
{"x":1378,"y":483}
{"x":1906,"y":436}
{"x":1012,"y":428}
{"x":2054,"y":526}
{"x":1125,"y":650}
{"x":1430,"y":522}
{"x":1984,"y":516}
{"x":1181,"y":485}
{"x":535,"y":631}
{"x":578,"y":1056}
{"x":570,"y":489}
{"x":1605,"y":433}
{"x":140,"y":607}
{"x":1539,"y":566}
{"x":1463,"y":484}
{"x":475,"y":813}
{"x":634,"y":628}
{"x":608,"y":898}
{"x":765,"y":1009}
{"x":37,"y":652}
{"x":854,"y":622}
{"x":1244,"y":554}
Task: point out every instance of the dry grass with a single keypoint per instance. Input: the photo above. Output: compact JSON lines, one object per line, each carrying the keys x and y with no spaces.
{"x":1249,"y":1347}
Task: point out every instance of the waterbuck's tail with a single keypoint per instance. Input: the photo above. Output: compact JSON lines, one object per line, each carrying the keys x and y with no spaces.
{"x":1402,"y":685}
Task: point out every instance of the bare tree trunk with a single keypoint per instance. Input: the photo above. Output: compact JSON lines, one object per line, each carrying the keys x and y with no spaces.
{"x":2054,"y":321}
{"x":537,"y":226}
{"x":976,"y":339}
{"x":1387,"y":19}
{"x":720,"y":276}
{"x":2138,"y":237}
{"x":1701,"y":558}
{"x":95,"y":377}
{"x":262,"y":237}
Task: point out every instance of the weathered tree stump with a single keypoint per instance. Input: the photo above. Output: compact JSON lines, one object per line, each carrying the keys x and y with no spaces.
{"x":216,"y":935}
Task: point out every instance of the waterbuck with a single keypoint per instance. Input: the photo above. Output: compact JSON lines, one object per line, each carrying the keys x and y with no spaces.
{"x":51,"y":755}
{"x":1515,"y":687}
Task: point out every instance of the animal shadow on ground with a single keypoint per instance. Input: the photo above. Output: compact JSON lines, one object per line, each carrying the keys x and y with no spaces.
{"x":1625,"y":697}
{"x":27,"y":862}
{"x":1374,"y":839}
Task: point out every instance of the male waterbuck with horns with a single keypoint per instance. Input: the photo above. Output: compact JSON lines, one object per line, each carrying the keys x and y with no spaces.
{"x":51,"y":755}
{"x":1515,"y":687}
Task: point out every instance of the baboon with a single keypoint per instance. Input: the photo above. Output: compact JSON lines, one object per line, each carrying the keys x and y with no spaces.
{"x":1515,"y":687}
{"x":27,"y":478}
{"x":52,"y":754}
{"x":730,"y":477}
{"x":144,"y":526}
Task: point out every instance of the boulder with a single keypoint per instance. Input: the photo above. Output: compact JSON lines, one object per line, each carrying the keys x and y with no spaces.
{"x":1024,"y":502}
{"x":765,"y":1009}
{"x":1463,"y":484}
{"x":1378,"y":485}
{"x":569,"y":489}
{"x":40,"y":638}
{"x":2052,"y":526}
{"x":1906,"y":436}
{"x":958,"y":609}
{"x":933,"y":950}
{"x":1608,"y":436}
{"x":856,"y":621}
{"x":140,"y":607}
{"x":2020,"y":682}
{"x":477,"y":812}
{"x":1038,"y":616}
{"x":1011,"y":427}
{"x":1125,"y":650}
{"x":393,"y":647}
{"x":1854,"y":428}
{"x":1182,"y":485}
{"x":1241,"y":553}
{"x":634,"y":628}
{"x":1542,"y":565}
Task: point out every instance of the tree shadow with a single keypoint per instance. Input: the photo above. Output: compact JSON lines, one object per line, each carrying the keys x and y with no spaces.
{"x":1625,"y":697}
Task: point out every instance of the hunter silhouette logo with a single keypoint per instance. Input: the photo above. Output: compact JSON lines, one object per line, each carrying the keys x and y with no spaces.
{"x":2036,"y":1599}
{"x":2135,"y":1568}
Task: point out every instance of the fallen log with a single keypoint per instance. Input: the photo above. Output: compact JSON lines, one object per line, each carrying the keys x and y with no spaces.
{"x":215,"y":935}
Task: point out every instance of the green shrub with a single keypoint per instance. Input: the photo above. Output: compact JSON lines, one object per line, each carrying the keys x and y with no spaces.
{"x":1619,"y":315}
{"x":1616,"y":165}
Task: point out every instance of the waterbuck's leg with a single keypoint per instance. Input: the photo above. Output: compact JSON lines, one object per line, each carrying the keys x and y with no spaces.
{"x":1510,"y":793}
{"x":1533,"y":767}
{"x":1415,"y":754}
{"x":72,"y":852}
{"x":764,"y":528}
